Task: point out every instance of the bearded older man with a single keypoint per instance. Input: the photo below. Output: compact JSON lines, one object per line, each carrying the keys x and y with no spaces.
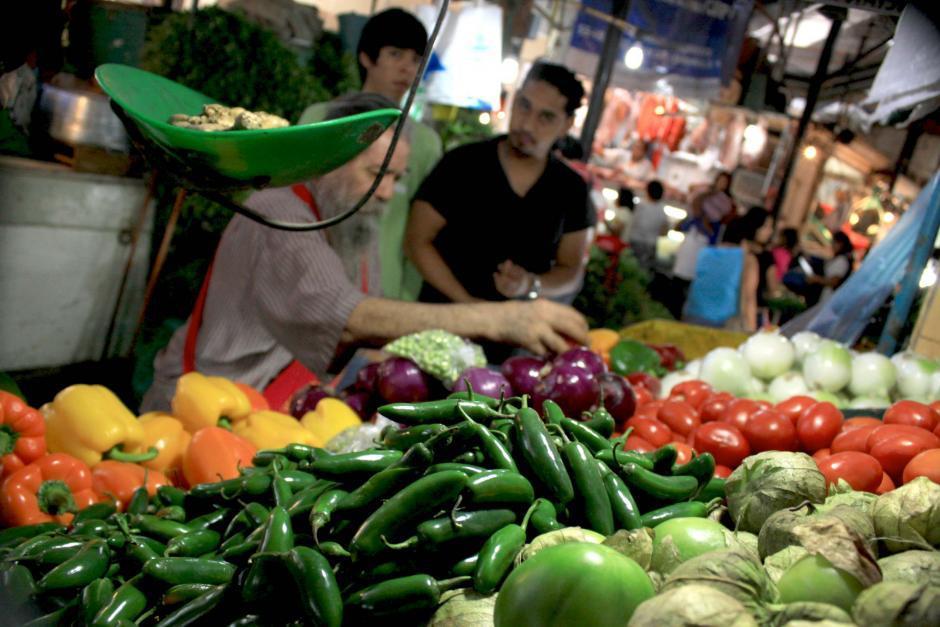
{"x":278,"y":305}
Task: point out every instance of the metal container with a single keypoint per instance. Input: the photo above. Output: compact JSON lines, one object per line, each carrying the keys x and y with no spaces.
{"x":82,"y":118}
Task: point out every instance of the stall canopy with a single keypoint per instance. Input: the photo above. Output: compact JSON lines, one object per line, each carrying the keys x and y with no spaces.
{"x":686,"y":48}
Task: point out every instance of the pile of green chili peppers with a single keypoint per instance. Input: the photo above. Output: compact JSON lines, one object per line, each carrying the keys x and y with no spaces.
{"x":309,"y":537}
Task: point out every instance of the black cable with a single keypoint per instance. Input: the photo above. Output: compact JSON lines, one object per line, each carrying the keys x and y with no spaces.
{"x":399,"y":127}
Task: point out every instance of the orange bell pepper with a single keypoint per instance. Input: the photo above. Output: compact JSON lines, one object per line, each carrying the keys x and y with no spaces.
{"x":22,"y":434}
{"x":601,"y":341}
{"x":257,"y":400}
{"x":119,"y":480}
{"x":215,"y":454}
{"x":200,"y":401}
{"x":51,"y":489}
{"x":166,"y":434}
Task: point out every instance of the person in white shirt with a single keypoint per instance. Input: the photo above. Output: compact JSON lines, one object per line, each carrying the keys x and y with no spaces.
{"x":636,"y":170}
{"x":649,"y":222}
{"x":837,"y":269}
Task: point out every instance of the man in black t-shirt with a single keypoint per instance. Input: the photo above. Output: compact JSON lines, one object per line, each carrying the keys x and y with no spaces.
{"x":504,"y":218}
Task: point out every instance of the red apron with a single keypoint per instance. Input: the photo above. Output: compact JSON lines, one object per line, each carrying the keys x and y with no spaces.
{"x":295,"y":375}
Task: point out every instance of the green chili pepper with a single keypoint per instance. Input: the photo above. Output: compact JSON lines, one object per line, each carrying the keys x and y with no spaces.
{"x":97,"y":511}
{"x":466,"y":566}
{"x":469,"y":457}
{"x":53,"y":618}
{"x":193,"y":544}
{"x":278,"y":538}
{"x":126,"y":603}
{"x":467,"y":395}
{"x":404,"y":439}
{"x":60,"y":552}
{"x":263,"y":459}
{"x":333,"y":549}
{"x":245,"y":547}
{"x":254,"y":484}
{"x":498,"y":553}
{"x":323,"y":509}
{"x":171,"y":512}
{"x":174,"y":570}
{"x":542,"y":456}
{"x":142,"y":549}
{"x":304,"y":500}
{"x":95,"y":596}
{"x":283,"y":495}
{"x":414,"y":502}
{"x":688,"y":509}
{"x":491,"y":446}
{"x":298,"y":479}
{"x":499,"y":487}
{"x":601,"y":422}
{"x":503,"y":425}
{"x":170,"y":495}
{"x":304,"y":453}
{"x":585,"y":435}
{"x":87,"y":564}
{"x":624,"y":508}
{"x":402,"y":595}
{"x":158,"y":527}
{"x":462,"y":526}
{"x":467,"y":469}
{"x":544,"y":516}
{"x":139,"y":501}
{"x":444,"y":411}
{"x":15,"y":535}
{"x":213,"y":518}
{"x":663,"y":458}
{"x":663,"y":488}
{"x":387,"y":481}
{"x":32,"y":549}
{"x":702,"y":467}
{"x":362,"y":462}
{"x":714,"y":489}
{"x":553,"y":412}
{"x":17,"y":584}
{"x":195,"y":610}
{"x":184,"y":592}
{"x":590,"y":488}
{"x":615,"y":460}
{"x":91,"y":527}
{"x":316,"y":585}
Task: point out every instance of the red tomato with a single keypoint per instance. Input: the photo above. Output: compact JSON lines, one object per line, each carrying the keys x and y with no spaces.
{"x":912,"y":413}
{"x":764,"y":404}
{"x":924,"y":464}
{"x":636,"y":443}
{"x":862,"y":471}
{"x":936,"y":431}
{"x":651,"y":430}
{"x":895,"y":453}
{"x":650,"y":410}
{"x":693,"y":392}
{"x":679,"y":416}
{"x":857,"y":423}
{"x":887,"y":432}
{"x":853,"y":439}
{"x":642,"y":394}
{"x":722,"y":471}
{"x":769,"y":430}
{"x":818,"y":425}
{"x":685,"y":452}
{"x":715,"y":407}
{"x":794,"y":406}
{"x":821,"y":454}
{"x":648,"y":381}
{"x":886,"y":484}
{"x":740,"y":411}
{"x":724,"y":441}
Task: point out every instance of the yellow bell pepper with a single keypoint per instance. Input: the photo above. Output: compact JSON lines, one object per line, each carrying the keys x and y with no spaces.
{"x":90,"y":422}
{"x":330,"y":417}
{"x":271,"y":429}
{"x":200,"y":401}
{"x":166,"y":434}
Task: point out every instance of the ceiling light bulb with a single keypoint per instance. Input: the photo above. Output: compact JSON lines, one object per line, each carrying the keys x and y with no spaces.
{"x":633,"y":59}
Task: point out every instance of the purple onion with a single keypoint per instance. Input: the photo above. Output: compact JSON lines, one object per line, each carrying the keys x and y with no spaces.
{"x":523,"y":373}
{"x":366,"y":378}
{"x":307,"y":398}
{"x":361,"y":403}
{"x":401,"y":381}
{"x":582,"y":358}
{"x":574,"y":389}
{"x":483,"y":381}
{"x":619,"y":398}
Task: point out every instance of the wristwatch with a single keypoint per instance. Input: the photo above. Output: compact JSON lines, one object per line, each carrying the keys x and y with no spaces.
{"x":535,"y":288}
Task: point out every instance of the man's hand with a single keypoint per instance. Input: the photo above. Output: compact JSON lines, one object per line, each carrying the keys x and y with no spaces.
{"x":540,"y":326}
{"x":512,"y":281}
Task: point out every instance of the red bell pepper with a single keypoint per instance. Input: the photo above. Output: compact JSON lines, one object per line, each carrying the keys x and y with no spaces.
{"x":22,"y":434}
{"x":51,"y":489}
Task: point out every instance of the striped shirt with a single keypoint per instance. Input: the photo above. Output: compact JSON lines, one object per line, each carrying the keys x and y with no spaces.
{"x":274,"y":296}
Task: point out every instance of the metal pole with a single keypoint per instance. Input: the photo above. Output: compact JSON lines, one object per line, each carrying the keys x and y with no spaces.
{"x":836,"y":15}
{"x":923,"y":247}
{"x":605,"y":66}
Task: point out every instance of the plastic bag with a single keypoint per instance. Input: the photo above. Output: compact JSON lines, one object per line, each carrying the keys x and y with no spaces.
{"x":440,"y":354}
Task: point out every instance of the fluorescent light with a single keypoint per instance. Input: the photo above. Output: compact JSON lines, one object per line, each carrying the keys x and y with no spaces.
{"x":676,"y":236}
{"x":889,"y":217}
{"x":509,"y":71}
{"x":810,"y":152}
{"x":484,"y":118}
{"x":872,"y":229}
{"x":659,"y":110}
{"x":633,"y":59}
{"x":610,"y":194}
{"x":853,"y":219}
{"x":676,"y":213}
{"x":610,"y":214}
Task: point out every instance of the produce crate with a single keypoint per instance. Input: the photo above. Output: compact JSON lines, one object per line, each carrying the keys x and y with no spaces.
{"x":694,"y":341}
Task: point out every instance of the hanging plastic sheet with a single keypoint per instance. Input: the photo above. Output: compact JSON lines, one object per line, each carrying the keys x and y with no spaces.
{"x":844,"y":316}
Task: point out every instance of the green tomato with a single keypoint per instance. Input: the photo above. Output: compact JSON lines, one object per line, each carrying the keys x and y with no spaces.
{"x":681,"y":539}
{"x":814,"y":578}
{"x":573,"y":584}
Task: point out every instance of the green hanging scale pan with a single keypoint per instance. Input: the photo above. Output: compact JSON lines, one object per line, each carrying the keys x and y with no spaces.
{"x":230,"y":160}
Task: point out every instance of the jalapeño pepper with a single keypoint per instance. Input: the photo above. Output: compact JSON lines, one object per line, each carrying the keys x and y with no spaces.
{"x":316,"y":585}
{"x":590,"y":487}
{"x":463,"y":526}
{"x":404,"y":439}
{"x":499,"y":487}
{"x":601,"y":422}
{"x":624,"y":508}
{"x":402,"y":595}
{"x":175,"y":570}
{"x":585,"y":435}
{"x":445,"y":411}
{"x":194,"y":543}
{"x":323,"y":509}
{"x":362,"y":462}
{"x":387,"y":481}
{"x":497,"y":555}
{"x":87,"y":564}
{"x":675,"y":488}
{"x":542,"y":456}
{"x":278,"y":538}
{"x":196,"y":609}
{"x":126,"y":603}
{"x":544,"y":516}
{"x":491,"y":446}
{"x":689,"y":509}
{"x":95,"y":596}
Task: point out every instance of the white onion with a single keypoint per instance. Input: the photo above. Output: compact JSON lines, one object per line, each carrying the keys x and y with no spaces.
{"x":726,"y":370}
{"x":804,"y":343}
{"x":829,"y":368}
{"x":768,"y":354}
{"x":673,"y":379}
{"x":914,"y":375}
{"x":787,"y":385}
{"x":873,"y":374}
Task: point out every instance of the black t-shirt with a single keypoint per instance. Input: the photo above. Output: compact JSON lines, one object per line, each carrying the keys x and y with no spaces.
{"x":488,"y":223}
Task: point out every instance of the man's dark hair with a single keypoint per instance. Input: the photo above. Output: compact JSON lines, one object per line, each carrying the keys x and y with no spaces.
{"x":744,"y":228}
{"x":562,"y":79}
{"x":625,"y":198}
{"x":842,"y":243}
{"x":654,"y":189}
{"x":791,"y":237}
{"x":393,"y":27}
{"x":570,"y":148}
